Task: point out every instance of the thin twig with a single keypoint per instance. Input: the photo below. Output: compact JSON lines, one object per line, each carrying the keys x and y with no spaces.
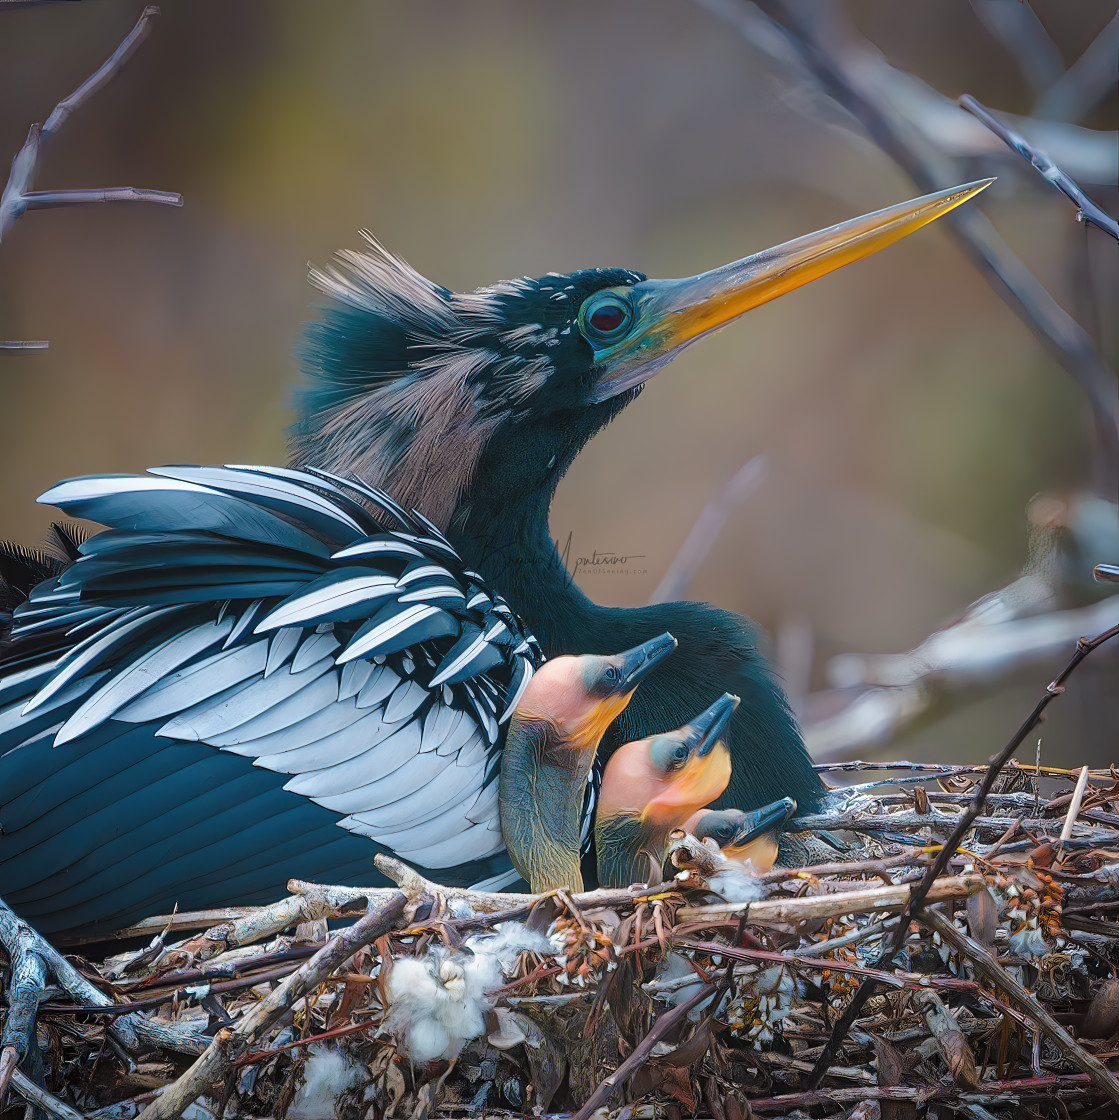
{"x":1087,"y":210}
{"x":23,"y":347}
{"x":129,"y":1030}
{"x":1086,"y":82}
{"x":104,"y":73}
{"x":9,"y":1059}
{"x":18,"y":197}
{"x":46,"y":1101}
{"x":705,"y":532}
{"x":1075,"y":802}
{"x":897,"y":940}
{"x":1043,"y":1087}
{"x":1023,"y":292}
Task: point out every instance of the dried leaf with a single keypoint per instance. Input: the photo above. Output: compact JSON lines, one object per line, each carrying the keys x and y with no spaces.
{"x":892,"y":1069}
{"x":983,"y":917}
{"x":951,"y":1041}
{"x":1102,"y":1018}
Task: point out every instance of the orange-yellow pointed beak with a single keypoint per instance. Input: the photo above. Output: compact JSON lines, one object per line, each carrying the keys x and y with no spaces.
{"x":668,"y":314}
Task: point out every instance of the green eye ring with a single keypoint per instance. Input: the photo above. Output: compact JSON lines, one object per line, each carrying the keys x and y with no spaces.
{"x":605,"y":318}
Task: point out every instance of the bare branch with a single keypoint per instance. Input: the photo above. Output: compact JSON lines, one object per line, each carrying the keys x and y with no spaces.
{"x":1087,"y":81}
{"x":983,"y":961}
{"x":52,"y":200}
{"x":22,"y":347}
{"x":18,"y":197}
{"x":107,"y":70}
{"x":231,"y":1043}
{"x":1087,"y":210}
{"x":1018,"y":29}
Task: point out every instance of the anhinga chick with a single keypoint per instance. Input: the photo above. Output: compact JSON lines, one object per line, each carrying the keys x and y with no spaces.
{"x":651,"y":786}
{"x":746,"y":837}
{"x":549,"y":751}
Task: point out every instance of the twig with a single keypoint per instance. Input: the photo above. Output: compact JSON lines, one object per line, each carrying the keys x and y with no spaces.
{"x":1037,"y":1086}
{"x":104,"y":73}
{"x":48,"y":1103}
{"x":232,"y":1043}
{"x":18,"y":197}
{"x":941,"y":769}
{"x":641,"y":1053}
{"x":916,"y":900}
{"x":869,"y":900}
{"x":986,"y":965}
{"x":1023,"y":35}
{"x":1086,"y":82}
{"x":23,"y":347}
{"x":705,"y":532}
{"x":9,"y":1059}
{"x":899,"y":689}
{"x":1087,"y":210}
{"x":128,"y":1030}
{"x":912,"y":981}
{"x":876,"y":823}
{"x":1074,"y":805}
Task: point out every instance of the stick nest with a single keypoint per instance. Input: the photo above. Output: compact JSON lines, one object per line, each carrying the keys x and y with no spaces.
{"x":672,"y":1000}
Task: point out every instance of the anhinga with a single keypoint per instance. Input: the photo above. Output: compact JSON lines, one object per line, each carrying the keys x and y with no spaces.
{"x":749,"y":837}
{"x":550,"y":747}
{"x":255,"y":674}
{"x":652,"y":786}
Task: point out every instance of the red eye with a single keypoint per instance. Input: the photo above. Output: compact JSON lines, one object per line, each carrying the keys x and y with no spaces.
{"x":607,"y":318}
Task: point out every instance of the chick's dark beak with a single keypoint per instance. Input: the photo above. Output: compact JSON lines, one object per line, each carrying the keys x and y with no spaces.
{"x":668,"y":314}
{"x":636,"y":664}
{"x":702,"y":733}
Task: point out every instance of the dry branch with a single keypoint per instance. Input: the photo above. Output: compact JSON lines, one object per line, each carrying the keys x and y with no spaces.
{"x":1086,"y":209}
{"x":824,"y":47}
{"x":18,"y":196}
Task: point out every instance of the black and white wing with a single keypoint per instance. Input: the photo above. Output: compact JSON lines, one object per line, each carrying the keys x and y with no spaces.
{"x":300,"y":622}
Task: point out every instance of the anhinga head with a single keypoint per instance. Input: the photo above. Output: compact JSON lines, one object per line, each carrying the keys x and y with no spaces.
{"x":550,"y":748}
{"x":500,"y":388}
{"x":653,"y":785}
{"x":749,"y":837}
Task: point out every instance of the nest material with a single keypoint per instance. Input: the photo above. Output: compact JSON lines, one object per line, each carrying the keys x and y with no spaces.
{"x":1004,"y":998}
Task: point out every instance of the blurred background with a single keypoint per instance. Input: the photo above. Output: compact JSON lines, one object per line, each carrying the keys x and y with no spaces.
{"x":907,"y":417}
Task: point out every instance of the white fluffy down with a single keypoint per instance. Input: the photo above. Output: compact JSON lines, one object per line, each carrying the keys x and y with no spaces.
{"x":437,"y":1004}
{"x":737,"y":883}
{"x":510,"y":940}
{"x":327,"y":1074}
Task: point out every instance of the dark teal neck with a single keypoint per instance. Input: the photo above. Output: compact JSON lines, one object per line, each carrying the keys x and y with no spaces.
{"x":505,"y":535}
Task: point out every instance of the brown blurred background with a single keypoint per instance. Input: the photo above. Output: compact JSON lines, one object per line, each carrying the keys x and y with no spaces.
{"x":907,"y":416}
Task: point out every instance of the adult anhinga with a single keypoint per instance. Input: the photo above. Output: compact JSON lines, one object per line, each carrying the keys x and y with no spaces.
{"x":259,"y":674}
